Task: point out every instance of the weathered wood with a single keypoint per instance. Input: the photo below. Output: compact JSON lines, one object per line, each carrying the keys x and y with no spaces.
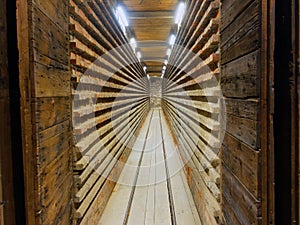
{"x":247,"y":211}
{"x":52,"y":111}
{"x":243,"y":129}
{"x":49,"y":45}
{"x":247,"y":15}
{"x":45,"y":109}
{"x":244,"y":42}
{"x":240,"y":78}
{"x":243,"y":162}
{"x":243,"y":108}
{"x":241,"y":72}
{"x":233,"y":9}
{"x":52,"y":81}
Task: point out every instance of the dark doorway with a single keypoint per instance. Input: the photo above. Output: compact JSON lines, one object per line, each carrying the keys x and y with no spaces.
{"x":283,"y":127}
{"x":15,"y":115}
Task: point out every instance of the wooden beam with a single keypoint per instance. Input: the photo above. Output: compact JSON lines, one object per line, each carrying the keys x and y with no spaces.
{"x":167,"y":14}
{"x":154,"y":69}
{"x":151,"y":44}
{"x":158,"y":58}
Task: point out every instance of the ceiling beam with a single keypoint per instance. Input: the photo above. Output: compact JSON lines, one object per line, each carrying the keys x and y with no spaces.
{"x":154,"y":69}
{"x":168,"y":14}
{"x":155,"y":59}
{"x":151,"y":44}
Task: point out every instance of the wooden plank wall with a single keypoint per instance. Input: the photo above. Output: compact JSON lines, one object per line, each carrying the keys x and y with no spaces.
{"x":191,"y":102}
{"x":43,"y":42}
{"x":241,"y":83}
{"x":7,"y":214}
{"x":110,"y":101}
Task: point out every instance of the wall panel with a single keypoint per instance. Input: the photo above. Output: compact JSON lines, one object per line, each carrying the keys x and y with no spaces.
{"x":43,"y":41}
{"x":241,"y":85}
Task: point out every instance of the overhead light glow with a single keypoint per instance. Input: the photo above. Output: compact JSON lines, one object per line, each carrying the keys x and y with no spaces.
{"x":133,"y":43}
{"x":179,"y":13}
{"x":145,"y":68}
{"x":121,"y":17}
{"x":168,"y":52}
{"x":172,"y":39}
{"x":164,"y":68}
{"x":139,"y":55}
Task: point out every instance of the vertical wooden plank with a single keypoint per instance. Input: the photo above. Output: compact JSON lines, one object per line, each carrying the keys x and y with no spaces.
{"x":267,"y":110}
{"x":25,"y":57}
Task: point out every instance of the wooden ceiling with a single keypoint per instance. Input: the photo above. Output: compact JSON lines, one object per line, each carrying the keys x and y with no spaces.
{"x":151,"y":22}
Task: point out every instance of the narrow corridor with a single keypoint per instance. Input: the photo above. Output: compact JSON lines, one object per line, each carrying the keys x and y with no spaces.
{"x":157,"y":112}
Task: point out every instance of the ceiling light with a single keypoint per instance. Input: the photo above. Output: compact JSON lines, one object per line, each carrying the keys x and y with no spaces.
{"x":133,"y":43}
{"x":145,"y":68}
{"x":172,"y":39}
{"x":168,"y":52}
{"x":139,"y":55}
{"x":122,"y":16}
{"x":164,"y":68}
{"x":179,"y":13}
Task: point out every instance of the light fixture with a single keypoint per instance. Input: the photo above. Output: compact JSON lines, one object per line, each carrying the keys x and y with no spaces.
{"x":133,"y":43}
{"x":121,"y":17}
{"x":168,"y":52}
{"x":145,"y":68}
{"x":172,"y":39}
{"x":179,"y":13}
{"x":139,"y":55}
{"x":164,"y":67}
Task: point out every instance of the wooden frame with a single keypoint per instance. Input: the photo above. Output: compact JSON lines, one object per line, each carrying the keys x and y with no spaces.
{"x":267,"y":100}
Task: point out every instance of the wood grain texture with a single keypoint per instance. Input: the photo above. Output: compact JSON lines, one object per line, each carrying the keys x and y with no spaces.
{"x":241,"y":72}
{"x":46,"y":110}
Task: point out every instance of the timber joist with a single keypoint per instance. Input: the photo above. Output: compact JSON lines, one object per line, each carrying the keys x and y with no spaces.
{"x":191,"y":152}
{"x":189,"y":39}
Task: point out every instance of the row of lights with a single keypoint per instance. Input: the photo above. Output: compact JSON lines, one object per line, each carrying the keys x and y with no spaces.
{"x":179,"y":14}
{"x":122,"y":20}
